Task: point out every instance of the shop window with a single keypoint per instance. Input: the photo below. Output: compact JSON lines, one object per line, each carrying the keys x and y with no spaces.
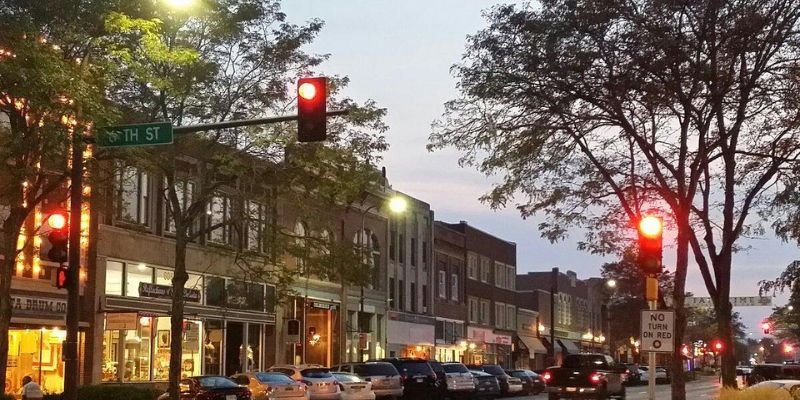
{"x":234,"y":294}
{"x":136,"y":353}
{"x":36,"y":353}
{"x":215,"y":291}
{"x":114,"y":271}
{"x":254,"y":339}
{"x":190,"y":343}
{"x":134,"y":275}
{"x":212,"y":361}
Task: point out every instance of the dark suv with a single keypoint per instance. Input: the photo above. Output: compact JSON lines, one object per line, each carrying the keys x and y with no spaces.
{"x":386,"y":381}
{"x":419,"y":380}
{"x":508,"y":384}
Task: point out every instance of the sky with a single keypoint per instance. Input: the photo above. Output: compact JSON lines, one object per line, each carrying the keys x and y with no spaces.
{"x":399,"y":53}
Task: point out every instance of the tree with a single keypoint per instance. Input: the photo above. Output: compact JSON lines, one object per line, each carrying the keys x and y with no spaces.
{"x":51,"y":90}
{"x":595,"y":113}
{"x":234,"y":60}
{"x":785,"y":320}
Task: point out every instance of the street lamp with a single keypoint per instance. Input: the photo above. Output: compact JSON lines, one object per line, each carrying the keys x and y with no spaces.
{"x":611,"y":283}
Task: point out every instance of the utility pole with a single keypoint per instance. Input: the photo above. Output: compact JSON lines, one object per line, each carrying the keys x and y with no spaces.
{"x":553,"y":290}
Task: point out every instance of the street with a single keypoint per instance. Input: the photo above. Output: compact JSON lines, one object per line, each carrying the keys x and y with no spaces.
{"x":703,"y":388}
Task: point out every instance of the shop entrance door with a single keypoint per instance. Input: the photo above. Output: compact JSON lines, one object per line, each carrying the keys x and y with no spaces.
{"x":234,"y":338}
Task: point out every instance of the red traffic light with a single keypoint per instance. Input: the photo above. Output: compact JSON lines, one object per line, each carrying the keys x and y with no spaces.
{"x":766,"y":327}
{"x":62,"y":277}
{"x":718,"y":346}
{"x":650,"y":229}
{"x":57,"y":220}
{"x":788,"y":348}
{"x":311,"y":109}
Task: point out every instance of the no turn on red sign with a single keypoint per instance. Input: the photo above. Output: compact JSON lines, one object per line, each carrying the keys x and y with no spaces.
{"x":658,"y":331}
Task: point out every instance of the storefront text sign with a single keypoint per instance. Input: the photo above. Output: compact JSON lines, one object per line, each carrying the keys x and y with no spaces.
{"x":38,"y":305}
{"x":121,"y":321}
{"x":165,"y":292}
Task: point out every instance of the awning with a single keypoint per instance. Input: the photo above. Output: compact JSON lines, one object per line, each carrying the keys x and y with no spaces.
{"x":534,"y":345}
{"x":546,"y":343}
{"x":570,"y":346}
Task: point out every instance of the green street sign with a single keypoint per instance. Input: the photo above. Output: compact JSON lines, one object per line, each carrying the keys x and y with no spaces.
{"x":135,"y":135}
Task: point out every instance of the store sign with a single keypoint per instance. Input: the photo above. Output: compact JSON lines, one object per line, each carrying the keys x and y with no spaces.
{"x":502,"y":339}
{"x":38,"y":305}
{"x":121,"y":321}
{"x":324,"y":306}
{"x":165,"y":292}
{"x":745,"y":301}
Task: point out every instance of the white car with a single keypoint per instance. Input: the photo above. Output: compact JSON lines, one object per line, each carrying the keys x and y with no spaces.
{"x":459,"y":380}
{"x":320,"y":382}
{"x":272,"y":386}
{"x":354,"y":387}
{"x":661,"y":374}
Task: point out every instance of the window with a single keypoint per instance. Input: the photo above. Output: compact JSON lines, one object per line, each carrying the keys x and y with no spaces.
{"x":472,"y":266}
{"x":442,"y":284}
{"x":511,"y":317}
{"x":255,"y":227}
{"x":512,"y":277}
{"x":195,"y":281}
{"x":485,"y":312}
{"x":413,"y":252}
{"x":402,"y":247}
{"x":413,"y":297}
{"x":424,"y":252}
{"x":499,"y":274}
{"x":219,"y":216}
{"x":391,"y":293}
{"x":425,"y":298}
{"x":114,"y":272}
{"x":134,"y":195}
{"x":454,"y":287}
{"x":473,"y":310}
{"x":402,"y":298}
{"x":135,"y":275}
{"x":486,"y":266}
{"x":392,"y":245}
{"x":185,"y":192}
{"x":499,"y":315}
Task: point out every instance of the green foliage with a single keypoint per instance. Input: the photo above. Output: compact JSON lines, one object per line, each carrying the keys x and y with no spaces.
{"x":785,"y":319}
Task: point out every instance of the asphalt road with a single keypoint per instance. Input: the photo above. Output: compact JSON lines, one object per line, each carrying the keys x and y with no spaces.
{"x":701,"y":389}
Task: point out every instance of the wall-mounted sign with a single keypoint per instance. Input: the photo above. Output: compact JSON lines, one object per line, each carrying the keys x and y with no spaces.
{"x":121,"y":321}
{"x":165,"y":292}
{"x":38,"y":305}
{"x":324,"y":306}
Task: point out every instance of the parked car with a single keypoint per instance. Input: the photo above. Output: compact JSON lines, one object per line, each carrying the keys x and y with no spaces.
{"x":508,"y":384}
{"x":767,"y":372}
{"x":585,"y":375}
{"x":441,"y":378}
{"x":419,"y":380}
{"x":318,"y":379}
{"x":633,"y":374}
{"x":386,"y":381}
{"x":790,"y":385}
{"x":661,"y":374}
{"x":272,"y":386}
{"x":354,"y":387}
{"x":460,"y":382}
{"x":210,"y":387}
{"x":532,"y":383}
{"x":487,"y":386}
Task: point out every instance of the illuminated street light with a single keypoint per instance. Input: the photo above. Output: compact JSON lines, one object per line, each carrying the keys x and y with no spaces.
{"x":398,"y":204}
{"x":790,"y":308}
{"x":611,"y":283}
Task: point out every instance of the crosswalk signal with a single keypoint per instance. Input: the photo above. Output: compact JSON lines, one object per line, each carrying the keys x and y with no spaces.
{"x":312,"y":109}
{"x":62,"y":277}
{"x":650,"y":242}
{"x":58,"y":237}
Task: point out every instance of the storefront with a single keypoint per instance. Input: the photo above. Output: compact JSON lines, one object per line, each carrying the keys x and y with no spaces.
{"x":227,"y":324}
{"x":316,"y":341}
{"x":35,"y":341}
{"x":530,"y":352}
{"x":451,"y":340}
{"x":488,"y":347}
{"x":410,"y":335}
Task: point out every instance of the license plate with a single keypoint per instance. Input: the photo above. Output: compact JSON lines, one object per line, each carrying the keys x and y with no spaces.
{"x":288,"y":389}
{"x":482,"y":389}
{"x":419,"y":380}
{"x":572,"y":389}
{"x":230,"y":397}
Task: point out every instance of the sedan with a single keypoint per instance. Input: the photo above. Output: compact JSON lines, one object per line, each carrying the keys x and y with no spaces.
{"x":486,"y":385}
{"x":272,"y":386}
{"x":532,"y":384}
{"x":210,"y":387}
{"x":790,"y":385}
{"x":354,"y":387}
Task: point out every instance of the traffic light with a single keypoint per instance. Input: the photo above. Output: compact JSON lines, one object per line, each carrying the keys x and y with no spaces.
{"x":788,"y":348}
{"x":650,"y":230}
{"x":58,"y":237}
{"x":766,"y":327}
{"x":62,"y":277}
{"x":311,"y":109}
{"x":717,"y":346}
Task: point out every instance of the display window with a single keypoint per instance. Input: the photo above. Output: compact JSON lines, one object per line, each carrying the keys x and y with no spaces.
{"x":37,"y":353}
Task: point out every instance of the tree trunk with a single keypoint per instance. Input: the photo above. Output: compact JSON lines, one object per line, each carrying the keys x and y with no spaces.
{"x":11,"y":230}
{"x":726,"y":335}
{"x":176,"y":316}
{"x":681,"y":265}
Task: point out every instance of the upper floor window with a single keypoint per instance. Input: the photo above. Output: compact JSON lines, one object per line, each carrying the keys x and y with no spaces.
{"x":500,"y":315}
{"x":473,"y":310}
{"x":486,"y":269}
{"x":256,"y":226}
{"x":511,"y":282}
{"x":485,"y":312}
{"x":472,"y":266}
{"x":442,"y":284}
{"x":219,"y":216}
{"x":184,"y":190}
{"x":413,"y":252}
{"x":133,"y":186}
{"x":499,"y":274}
{"x":511,"y":316}
{"x":402,"y":249}
{"x":454,"y":287}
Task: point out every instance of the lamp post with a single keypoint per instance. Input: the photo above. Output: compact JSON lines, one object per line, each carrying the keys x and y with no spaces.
{"x":397,"y":205}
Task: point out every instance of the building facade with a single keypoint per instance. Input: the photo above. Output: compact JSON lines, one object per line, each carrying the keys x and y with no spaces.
{"x":450,"y":302}
{"x":411,"y":324}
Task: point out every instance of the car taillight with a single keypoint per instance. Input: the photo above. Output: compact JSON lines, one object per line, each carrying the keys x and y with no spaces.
{"x":546,"y":376}
{"x":595,"y":378}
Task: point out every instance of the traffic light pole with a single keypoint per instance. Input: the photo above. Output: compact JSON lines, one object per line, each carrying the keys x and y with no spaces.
{"x":71,"y":364}
{"x":651,"y":295}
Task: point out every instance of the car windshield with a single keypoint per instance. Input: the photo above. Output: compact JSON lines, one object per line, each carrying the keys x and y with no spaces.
{"x":273,"y":377}
{"x":494,"y":370}
{"x":479,"y":373}
{"x":375,"y":369}
{"x":316,"y":373}
{"x":216,"y":382}
{"x":452,"y":368}
{"x":416,"y":367}
{"x":347,"y":378}
{"x":519,"y":374}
